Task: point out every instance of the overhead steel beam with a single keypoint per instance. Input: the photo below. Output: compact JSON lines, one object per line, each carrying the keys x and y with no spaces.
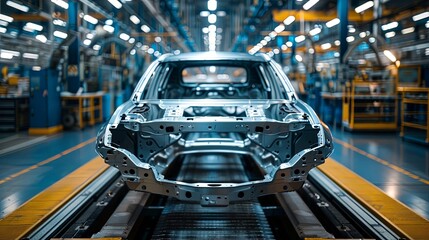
{"x":320,"y":16}
{"x":161,"y":20}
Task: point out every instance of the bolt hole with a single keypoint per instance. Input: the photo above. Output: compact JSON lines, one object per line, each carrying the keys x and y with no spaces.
{"x":144,"y":187}
{"x":285,"y":187}
{"x":167,"y":191}
{"x":188,"y":194}
{"x":240,"y":194}
{"x":132,"y":171}
{"x":146,"y":175}
{"x":296,"y":171}
{"x":161,"y":127}
{"x":283,"y":175}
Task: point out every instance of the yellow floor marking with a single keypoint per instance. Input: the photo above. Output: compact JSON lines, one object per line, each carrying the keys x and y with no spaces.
{"x":379,"y":160}
{"x":53,"y":158}
{"x":30,"y":215}
{"x":393,"y":213}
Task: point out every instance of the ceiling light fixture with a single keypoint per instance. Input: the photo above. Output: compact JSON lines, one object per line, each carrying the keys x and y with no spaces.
{"x":109,"y":28}
{"x":61,"y":3}
{"x":280,"y":28}
{"x":364,"y":6}
{"x":390,"y":34}
{"x":124,"y":36}
{"x":326,"y":46}
{"x":17,"y":6}
{"x":90,"y":19}
{"x":333,"y":22}
{"x":389,"y":55}
{"x":298,"y":58}
{"x":350,"y":39}
{"x":389,"y":26}
{"x":407,"y":30}
{"x":6,"y":18}
{"x":145,"y":28}
{"x":212,"y":5}
{"x":309,"y":4}
{"x":134,"y":19}
{"x":289,"y":20}
{"x":300,"y":38}
{"x":204,"y":13}
{"x":87,"y":42}
{"x":115,"y":3}
{"x":212,"y":18}
{"x":34,"y":26}
{"x":41,"y":38}
{"x":60,"y":34}
{"x":420,"y":16}
{"x":315,"y":31}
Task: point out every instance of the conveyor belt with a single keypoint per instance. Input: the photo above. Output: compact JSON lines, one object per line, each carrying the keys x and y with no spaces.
{"x":181,"y":220}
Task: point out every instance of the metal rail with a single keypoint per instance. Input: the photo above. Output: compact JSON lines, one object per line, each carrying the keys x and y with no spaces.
{"x":365,"y":219}
{"x":49,"y":228}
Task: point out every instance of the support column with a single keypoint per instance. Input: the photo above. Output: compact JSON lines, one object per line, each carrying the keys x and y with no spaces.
{"x":342,"y":11}
{"x":377,"y":14}
{"x":73,"y":79}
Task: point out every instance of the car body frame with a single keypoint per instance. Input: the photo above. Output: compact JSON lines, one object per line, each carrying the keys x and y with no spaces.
{"x":252,"y":117}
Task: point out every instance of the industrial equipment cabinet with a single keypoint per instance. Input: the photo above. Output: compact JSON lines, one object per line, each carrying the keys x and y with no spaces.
{"x":370,"y":105}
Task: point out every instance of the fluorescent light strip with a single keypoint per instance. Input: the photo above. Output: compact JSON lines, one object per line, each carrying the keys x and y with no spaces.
{"x":61,"y":3}
{"x":333,"y":22}
{"x":145,"y":28}
{"x":289,"y":20}
{"x":280,"y":28}
{"x":309,"y":4}
{"x":90,"y":19}
{"x":96,"y":47}
{"x":420,"y":16}
{"x":407,"y":30}
{"x":389,"y":55}
{"x":390,"y":34}
{"x":389,"y":26}
{"x":30,"y":55}
{"x":3,"y":23}
{"x":212,"y":5}
{"x":134,"y":19}
{"x":60,"y":34}
{"x":3,"y":30}
{"x":299,"y":39}
{"x":364,"y":6}
{"x":109,"y":28}
{"x":6,"y":18}
{"x":34,"y":26}
{"x":124,"y":36}
{"x":13,"y":53}
{"x":59,"y":22}
{"x":41,"y":38}
{"x":350,"y":39}
{"x":115,"y":3}
{"x":315,"y":31}
{"x":17,"y":6}
{"x":326,"y":46}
